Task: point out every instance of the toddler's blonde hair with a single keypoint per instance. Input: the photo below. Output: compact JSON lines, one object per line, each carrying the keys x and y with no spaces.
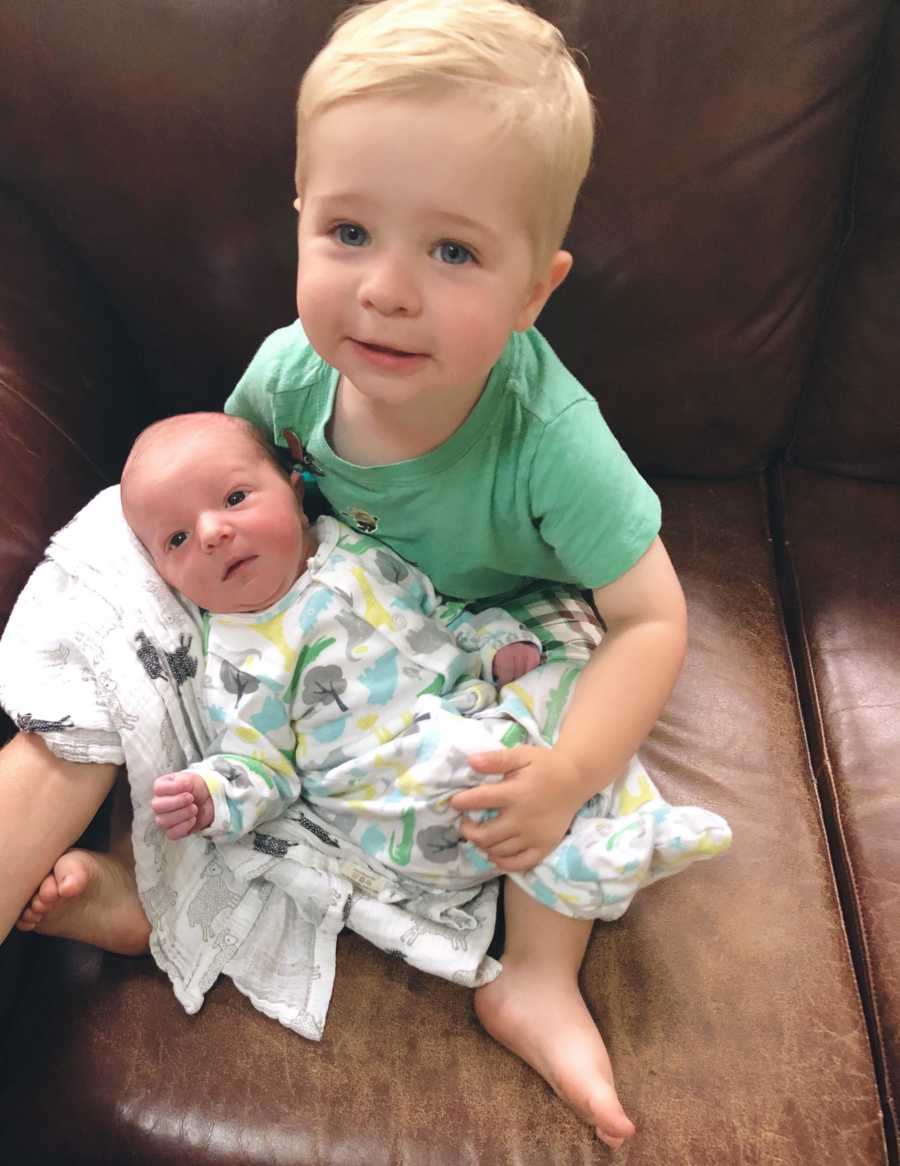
{"x":497,"y":51}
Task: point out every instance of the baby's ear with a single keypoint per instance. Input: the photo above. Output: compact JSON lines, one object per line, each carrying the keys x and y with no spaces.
{"x":296,"y":483}
{"x":557,"y":270}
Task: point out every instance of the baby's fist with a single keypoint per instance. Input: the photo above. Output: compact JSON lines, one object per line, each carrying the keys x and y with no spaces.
{"x":181,"y":804}
{"x":514,"y":660}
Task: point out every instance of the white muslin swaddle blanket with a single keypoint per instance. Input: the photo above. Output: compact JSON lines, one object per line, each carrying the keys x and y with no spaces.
{"x":104,"y":660}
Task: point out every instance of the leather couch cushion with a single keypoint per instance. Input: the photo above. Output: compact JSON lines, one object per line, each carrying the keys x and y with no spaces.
{"x":845,"y":555}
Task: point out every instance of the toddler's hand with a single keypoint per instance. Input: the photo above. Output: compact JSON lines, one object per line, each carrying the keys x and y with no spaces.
{"x":182,"y":804}
{"x":514,"y":660}
{"x":540,"y":794}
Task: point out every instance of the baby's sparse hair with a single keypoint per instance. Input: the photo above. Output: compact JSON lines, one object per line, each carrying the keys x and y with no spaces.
{"x":170,"y":427}
{"x":497,"y":51}
{"x":189,"y":422}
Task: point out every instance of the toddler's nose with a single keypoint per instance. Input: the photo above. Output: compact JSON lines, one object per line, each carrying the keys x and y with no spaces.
{"x":389,"y":287}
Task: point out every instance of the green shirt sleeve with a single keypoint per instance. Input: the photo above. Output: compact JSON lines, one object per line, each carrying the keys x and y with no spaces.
{"x":253,"y":396}
{"x":601,"y":527}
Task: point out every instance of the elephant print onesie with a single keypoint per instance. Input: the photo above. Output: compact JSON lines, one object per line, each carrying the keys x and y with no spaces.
{"x":351,"y":705}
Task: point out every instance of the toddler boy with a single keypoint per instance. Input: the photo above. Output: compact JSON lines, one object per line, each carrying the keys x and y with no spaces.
{"x":441,"y":145}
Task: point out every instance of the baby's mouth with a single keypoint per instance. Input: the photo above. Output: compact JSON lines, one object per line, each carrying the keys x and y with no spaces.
{"x":235,"y":565}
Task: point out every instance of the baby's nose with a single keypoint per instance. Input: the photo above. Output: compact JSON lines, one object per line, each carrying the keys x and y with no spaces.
{"x":212,"y":531}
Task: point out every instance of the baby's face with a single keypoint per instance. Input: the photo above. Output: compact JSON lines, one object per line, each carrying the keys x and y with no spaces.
{"x":222,"y":524}
{"x":416,"y":262}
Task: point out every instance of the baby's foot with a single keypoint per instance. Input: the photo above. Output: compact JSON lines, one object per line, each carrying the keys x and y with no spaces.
{"x":93,"y":898}
{"x":548,"y":1025}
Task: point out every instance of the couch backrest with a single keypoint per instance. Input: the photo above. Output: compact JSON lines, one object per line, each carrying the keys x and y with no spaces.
{"x":156,"y":136}
{"x":849,"y":421}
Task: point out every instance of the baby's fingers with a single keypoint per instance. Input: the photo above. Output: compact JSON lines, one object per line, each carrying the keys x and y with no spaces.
{"x":177,"y":823}
{"x":169,"y":803}
{"x":173,"y":783}
{"x":182,"y":830}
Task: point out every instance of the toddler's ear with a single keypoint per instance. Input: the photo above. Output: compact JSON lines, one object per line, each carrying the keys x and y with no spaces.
{"x":557,"y":270}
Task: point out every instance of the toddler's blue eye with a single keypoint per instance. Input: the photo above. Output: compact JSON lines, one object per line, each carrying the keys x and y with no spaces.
{"x":236,"y":497}
{"x":352,"y":235}
{"x":177,"y":539}
{"x":453,"y":253}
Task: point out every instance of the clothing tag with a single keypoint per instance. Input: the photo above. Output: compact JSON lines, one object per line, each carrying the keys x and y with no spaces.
{"x":368,"y":880}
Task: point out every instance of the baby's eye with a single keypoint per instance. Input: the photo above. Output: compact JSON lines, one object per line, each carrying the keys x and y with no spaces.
{"x":176,"y":540}
{"x":453,"y":253}
{"x":236,"y":497}
{"x":351,"y":234}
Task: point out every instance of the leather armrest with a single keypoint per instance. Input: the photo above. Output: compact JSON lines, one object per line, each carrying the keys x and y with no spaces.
{"x":71,"y":396}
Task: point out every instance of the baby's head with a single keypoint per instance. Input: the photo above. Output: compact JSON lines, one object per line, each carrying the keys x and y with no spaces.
{"x":507,"y":63}
{"x":209,"y":501}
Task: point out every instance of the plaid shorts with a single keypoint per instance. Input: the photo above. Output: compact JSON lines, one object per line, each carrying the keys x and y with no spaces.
{"x":559,"y":615}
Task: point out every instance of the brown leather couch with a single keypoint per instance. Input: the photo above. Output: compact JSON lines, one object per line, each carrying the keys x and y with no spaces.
{"x":735,"y":306}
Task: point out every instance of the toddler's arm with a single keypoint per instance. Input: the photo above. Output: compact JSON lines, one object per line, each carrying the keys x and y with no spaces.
{"x":182,"y":804}
{"x":623,"y":689}
{"x":616,"y":702}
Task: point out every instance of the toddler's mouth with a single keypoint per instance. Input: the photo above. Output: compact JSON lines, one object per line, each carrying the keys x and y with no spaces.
{"x":388,"y":359}
{"x":386,"y":349}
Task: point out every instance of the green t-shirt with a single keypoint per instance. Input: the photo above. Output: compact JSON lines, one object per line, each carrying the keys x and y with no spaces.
{"x":533,"y":485}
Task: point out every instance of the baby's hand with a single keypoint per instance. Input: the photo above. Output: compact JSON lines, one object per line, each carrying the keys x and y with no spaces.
{"x":182,"y":804}
{"x":514,"y":660}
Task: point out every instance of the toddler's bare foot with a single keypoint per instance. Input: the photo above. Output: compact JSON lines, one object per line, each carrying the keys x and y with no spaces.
{"x":547,"y":1024}
{"x":93,"y":898}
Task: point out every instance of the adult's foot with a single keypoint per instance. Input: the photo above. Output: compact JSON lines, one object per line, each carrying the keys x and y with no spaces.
{"x":549,"y":1026}
{"x":93,"y":898}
